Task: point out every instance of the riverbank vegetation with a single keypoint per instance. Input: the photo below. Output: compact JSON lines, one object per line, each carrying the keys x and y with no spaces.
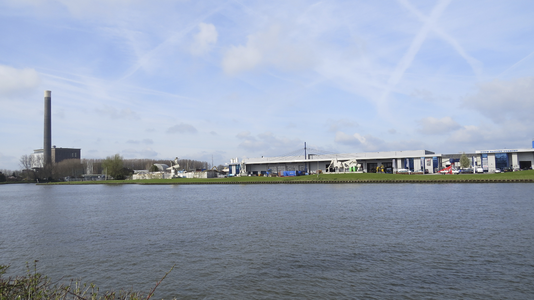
{"x":114,"y":166}
{"x":520,"y":176}
{"x":35,"y":286}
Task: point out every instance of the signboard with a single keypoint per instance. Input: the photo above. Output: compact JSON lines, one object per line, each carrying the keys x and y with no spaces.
{"x":497,"y":151}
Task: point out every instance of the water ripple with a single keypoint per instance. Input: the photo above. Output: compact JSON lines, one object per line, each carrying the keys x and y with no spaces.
{"x":362,"y":241}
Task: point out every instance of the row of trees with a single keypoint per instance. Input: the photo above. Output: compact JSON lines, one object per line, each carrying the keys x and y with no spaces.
{"x":115,"y":166}
{"x":14,"y":173}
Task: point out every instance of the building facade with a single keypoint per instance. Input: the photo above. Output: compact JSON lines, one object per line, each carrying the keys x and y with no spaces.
{"x":516,"y":159}
{"x":418,"y":161}
{"x":58,"y":155}
{"x":368,"y":162}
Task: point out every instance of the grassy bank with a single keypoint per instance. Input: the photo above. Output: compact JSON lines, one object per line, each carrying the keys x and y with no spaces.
{"x":36,"y":286}
{"x":521,"y":176}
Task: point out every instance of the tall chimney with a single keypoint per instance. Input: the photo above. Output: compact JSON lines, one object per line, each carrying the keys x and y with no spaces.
{"x":47,"y":147}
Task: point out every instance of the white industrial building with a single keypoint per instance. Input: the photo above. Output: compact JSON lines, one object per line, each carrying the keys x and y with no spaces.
{"x":418,"y":161}
{"x":368,"y":162}
{"x":518,"y":159}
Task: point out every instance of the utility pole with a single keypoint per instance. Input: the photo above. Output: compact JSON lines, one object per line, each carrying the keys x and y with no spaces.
{"x":305,"y":158}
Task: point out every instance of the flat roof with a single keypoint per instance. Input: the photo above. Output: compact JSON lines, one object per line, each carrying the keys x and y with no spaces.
{"x":504,"y":150}
{"x":342,"y":156}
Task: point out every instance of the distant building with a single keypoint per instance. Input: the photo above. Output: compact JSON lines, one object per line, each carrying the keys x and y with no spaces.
{"x":58,"y":155}
{"x":162,"y":167}
{"x":201,"y":174}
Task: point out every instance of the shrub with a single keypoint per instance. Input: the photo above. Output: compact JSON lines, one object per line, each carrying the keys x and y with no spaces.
{"x":35,"y":286}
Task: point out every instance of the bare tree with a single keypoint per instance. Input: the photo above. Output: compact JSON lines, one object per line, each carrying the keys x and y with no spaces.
{"x":26,"y":163}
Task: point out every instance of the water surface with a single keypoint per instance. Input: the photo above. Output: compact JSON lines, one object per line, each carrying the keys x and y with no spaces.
{"x":367,"y":241}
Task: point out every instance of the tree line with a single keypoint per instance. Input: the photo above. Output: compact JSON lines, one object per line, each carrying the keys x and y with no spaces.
{"x":114,"y":166}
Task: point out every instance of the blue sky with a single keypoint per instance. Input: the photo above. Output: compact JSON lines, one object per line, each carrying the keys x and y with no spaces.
{"x":196,"y":79}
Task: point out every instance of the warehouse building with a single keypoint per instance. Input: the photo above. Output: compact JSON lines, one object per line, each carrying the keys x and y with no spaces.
{"x":368,"y":162}
{"x":412,"y":161}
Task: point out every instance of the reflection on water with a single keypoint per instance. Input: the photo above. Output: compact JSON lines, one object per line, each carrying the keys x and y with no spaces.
{"x":449,"y":241}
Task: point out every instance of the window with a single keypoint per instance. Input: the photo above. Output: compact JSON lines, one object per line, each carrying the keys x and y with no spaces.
{"x":501,"y":160}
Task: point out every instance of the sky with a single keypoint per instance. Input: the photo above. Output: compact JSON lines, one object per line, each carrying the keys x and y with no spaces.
{"x":222,"y":79}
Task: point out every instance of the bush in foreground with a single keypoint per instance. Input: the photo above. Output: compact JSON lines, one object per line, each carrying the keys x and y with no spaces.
{"x":35,"y":286}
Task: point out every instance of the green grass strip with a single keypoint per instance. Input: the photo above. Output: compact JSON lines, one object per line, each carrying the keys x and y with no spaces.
{"x":521,"y":176}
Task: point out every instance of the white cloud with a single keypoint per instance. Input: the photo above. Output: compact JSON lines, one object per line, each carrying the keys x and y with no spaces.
{"x":204,"y":39}
{"x":423,"y":94}
{"x":86,"y":9}
{"x":239,"y":59}
{"x":249,"y":142}
{"x":511,"y":134}
{"x":360,"y":142}
{"x":431,"y":125}
{"x":353,"y":140}
{"x":281,"y":143}
{"x":370,"y":143}
{"x":116,"y":114}
{"x":267,"y":143}
{"x":336,"y":125}
{"x":182,"y":128}
{"x":469,"y":134}
{"x":252,"y":145}
{"x":245,"y":135}
{"x":16,"y":81}
{"x":144,"y":141}
{"x":92,"y":8}
{"x":271,"y":47}
{"x":291,"y":125}
{"x":139,"y":153}
{"x":502,"y":100}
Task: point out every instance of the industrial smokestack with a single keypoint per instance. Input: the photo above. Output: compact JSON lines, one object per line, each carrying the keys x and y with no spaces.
{"x":47,"y":147}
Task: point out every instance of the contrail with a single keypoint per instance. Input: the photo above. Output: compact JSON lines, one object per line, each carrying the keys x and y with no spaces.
{"x":408,"y":58}
{"x":152,"y":53}
{"x":516,"y":64}
{"x":474,"y":63}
